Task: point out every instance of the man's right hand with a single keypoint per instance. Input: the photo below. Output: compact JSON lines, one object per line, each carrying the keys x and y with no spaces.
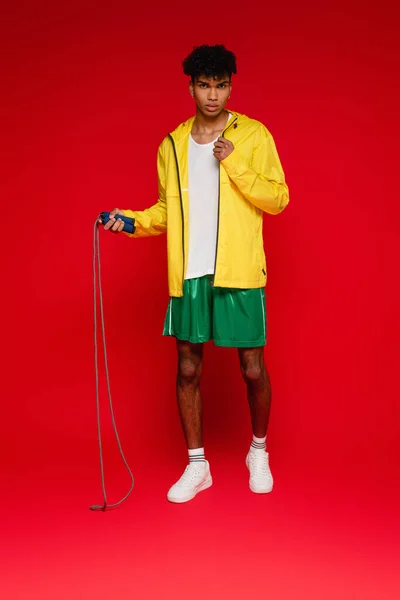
{"x":114,"y":224}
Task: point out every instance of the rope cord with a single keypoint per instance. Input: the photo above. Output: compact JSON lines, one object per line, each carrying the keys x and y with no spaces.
{"x":97,"y":284}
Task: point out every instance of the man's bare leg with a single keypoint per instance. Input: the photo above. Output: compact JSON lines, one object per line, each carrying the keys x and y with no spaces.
{"x":190,"y":362}
{"x":197,"y":476}
{"x":256,"y":377}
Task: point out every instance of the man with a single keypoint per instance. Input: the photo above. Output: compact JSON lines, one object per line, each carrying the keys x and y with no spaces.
{"x":217,"y":172}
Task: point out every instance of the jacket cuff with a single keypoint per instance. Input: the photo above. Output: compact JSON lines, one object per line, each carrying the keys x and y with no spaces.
{"x":234,"y":164}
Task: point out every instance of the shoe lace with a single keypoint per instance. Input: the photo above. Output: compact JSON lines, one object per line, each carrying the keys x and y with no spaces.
{"x":260,"y":463}
{"x":190,"y":473}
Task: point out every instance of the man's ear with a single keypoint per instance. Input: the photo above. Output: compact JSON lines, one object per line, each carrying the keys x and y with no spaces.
{"x":191,"y":88}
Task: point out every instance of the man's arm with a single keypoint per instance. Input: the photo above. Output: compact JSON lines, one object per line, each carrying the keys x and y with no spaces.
{"x":262,"y":181}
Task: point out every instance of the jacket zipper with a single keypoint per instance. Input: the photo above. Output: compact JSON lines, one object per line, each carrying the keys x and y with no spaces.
{"x":219,"y":196}
{"x":181,"y":201}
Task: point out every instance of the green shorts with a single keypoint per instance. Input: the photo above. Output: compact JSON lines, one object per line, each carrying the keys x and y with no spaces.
{"x":231,"y":317}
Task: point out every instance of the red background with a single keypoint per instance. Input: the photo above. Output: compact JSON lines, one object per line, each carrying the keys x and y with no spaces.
{"x":89,"y":91}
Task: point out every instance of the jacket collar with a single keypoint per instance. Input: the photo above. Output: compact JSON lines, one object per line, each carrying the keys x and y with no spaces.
{"x":181,"y":133}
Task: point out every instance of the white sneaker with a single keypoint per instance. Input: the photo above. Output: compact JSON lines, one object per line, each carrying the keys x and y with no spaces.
{"x":261,"y":481}
{"x":196,"y":478}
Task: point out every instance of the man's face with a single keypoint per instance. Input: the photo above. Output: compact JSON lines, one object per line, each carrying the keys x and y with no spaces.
{"x":210,"y":94}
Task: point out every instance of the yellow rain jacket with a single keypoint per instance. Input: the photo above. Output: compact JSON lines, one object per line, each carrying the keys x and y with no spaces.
{"x":251,"y":182}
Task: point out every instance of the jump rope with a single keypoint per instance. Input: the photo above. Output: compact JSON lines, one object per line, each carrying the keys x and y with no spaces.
{"x":128,"y":227}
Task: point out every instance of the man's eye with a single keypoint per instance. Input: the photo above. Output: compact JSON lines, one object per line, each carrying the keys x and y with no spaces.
{"x":203,"y":85}
{"x":221,"y":87}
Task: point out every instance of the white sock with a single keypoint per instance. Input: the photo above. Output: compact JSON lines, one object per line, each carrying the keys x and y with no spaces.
{"x":196,"y":455}
{"x":258,"y":444}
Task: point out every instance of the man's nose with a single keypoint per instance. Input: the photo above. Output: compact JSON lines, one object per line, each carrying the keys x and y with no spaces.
{"x":212,"y":94}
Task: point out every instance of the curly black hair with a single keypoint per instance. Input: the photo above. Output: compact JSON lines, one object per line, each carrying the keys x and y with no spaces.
{"x":211,"y":61}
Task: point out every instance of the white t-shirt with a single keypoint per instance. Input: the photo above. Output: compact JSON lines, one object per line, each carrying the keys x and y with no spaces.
{"x":203,"y":208}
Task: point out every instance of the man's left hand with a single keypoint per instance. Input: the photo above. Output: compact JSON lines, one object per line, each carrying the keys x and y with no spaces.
{"x":223,"y":148}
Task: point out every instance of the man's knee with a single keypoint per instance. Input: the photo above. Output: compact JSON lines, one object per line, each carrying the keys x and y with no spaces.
{"x":252,"y":373}
{"x":188,"y":372}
